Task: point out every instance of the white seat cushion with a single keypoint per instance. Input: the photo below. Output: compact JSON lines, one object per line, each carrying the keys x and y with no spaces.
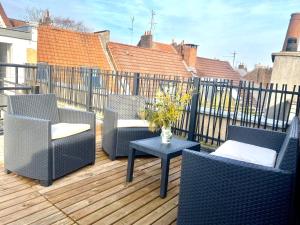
{"x":132,"y":123}
{"x":247,"y":153}
{"x":61,"y":130}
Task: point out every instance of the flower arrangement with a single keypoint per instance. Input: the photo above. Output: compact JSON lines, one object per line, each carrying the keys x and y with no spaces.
{"x":165,"y":111}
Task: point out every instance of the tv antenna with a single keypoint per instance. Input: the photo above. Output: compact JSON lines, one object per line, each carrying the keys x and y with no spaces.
{"x":233,"y":58}
{"x":152,"y":23}
{"x":131,"y":28}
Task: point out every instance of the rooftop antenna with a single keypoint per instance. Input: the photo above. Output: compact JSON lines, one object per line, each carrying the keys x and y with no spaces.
{"x":233,"y":58}
{"x":131,"y":28}
{"x":152,"y":23}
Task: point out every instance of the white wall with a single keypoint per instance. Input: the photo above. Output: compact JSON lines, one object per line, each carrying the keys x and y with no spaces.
{"x":18,"y":52}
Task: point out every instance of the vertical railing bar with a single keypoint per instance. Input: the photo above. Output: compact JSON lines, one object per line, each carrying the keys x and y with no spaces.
{"x":258,"y":103}
{"x":268,"y":105}
{"x":288,"y":115}
{"x":279,"y":108}
{"x":262,"y":106}
{"x":275,"y":102}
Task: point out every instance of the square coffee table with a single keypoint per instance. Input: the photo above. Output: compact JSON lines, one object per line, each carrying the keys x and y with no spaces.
{"x":165,"y":152}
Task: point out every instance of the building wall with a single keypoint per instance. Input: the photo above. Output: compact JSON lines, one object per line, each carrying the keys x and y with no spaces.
{"x":19,"y":51}
{"x":286,"y":69}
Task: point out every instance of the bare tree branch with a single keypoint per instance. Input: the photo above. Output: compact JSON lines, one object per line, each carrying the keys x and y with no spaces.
{"x":42,"y":16}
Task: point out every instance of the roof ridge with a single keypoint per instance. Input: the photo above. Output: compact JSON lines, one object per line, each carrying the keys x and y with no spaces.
{"x":200,"y":57}
{"x":17,"y":19}
{"x":66,"y":30}
{"x":138,"y":47}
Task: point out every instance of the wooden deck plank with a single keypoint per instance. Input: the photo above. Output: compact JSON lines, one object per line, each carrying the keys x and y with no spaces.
{"x":50,"y":219}
{"x":95,"y":186}
{"x":102,"y":200}
{"x":159,"y":212}
{"x":18,"y":200}
{"x":21,"y":206}
{"x":148,"y":208}
{"x":26,"y":212}
{"x":170,"y":216}
{"x":35,"y":217}
{"x":120,"y":203}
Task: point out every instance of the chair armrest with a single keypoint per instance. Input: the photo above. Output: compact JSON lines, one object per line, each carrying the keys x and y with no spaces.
{"x":217,"y":189}
{"x":109,"y":131}
{"x":260,"y":137}
{"x":26,"y":146}
{"x":76,"y":116}
{"x":110,"y":118}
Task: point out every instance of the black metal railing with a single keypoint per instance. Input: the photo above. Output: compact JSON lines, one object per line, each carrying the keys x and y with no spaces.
{"x":215,"y":104}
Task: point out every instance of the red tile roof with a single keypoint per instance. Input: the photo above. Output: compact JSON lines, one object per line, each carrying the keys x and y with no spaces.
{"x":4,"y":17}
{"x":70,"y":48}
{"x":164,"y":47}
{"x":216,"y":69}
{"x":17,"y":23}
{"x":145,"y":60}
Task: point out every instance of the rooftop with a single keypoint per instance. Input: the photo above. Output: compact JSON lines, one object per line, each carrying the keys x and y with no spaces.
{"x":131,"y":58}
{"x":215,"y":68}
{"x":70,"y":48}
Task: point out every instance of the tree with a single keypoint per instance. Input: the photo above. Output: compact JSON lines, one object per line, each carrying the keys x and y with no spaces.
{"x":43,"y":17}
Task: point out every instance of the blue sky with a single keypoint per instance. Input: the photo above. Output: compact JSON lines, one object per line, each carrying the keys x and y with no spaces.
{"x":253,"y":28}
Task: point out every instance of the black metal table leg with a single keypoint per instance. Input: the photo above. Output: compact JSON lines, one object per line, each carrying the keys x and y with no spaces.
{"x":164,"y":177}
{"x":130,"y":165}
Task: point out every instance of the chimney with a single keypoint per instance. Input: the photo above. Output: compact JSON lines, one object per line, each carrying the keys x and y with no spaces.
{"x":242,"y":66}
{"x":292,"y":37}
{"x":188,"y":52}
{"x":104,"y":36}
{"x":146,"y":40}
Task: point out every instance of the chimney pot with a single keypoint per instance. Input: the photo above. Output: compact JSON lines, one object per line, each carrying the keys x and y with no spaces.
{"x":146,"y":40}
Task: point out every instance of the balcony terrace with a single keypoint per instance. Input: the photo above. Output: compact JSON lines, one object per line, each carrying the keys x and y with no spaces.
{"x":96,"y":194}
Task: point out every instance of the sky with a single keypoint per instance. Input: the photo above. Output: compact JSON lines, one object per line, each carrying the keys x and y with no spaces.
{"x":252,"y":28}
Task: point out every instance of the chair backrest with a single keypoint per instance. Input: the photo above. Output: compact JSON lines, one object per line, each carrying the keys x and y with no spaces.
{"x":40,"y":106}
{"x":288,"y":154}
{"x":127,"y":106}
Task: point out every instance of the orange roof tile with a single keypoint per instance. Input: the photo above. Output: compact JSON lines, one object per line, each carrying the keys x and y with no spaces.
{"x":145,"y":60}
{"x":216,"y":69}
{"x":164,"y":47}
{"x":70,"y":48}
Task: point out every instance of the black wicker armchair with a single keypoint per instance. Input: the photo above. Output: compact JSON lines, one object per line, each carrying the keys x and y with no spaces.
{"x":29,"y":146}
{"x":116,"y":138}
{"x":220,"y":190}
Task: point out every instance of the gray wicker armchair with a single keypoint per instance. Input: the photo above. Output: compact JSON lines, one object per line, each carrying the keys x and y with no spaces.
{"x":219,"y":190}
{"x":29,"y":148}
{"x":116,"y":139}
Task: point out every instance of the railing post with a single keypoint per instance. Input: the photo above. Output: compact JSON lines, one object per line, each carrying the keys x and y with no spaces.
{"x":16,"y":76}
{"x":136,"y":84}
{"x":50,"y":88}
{"x":89,"y":100}
{"x":194,"y":107}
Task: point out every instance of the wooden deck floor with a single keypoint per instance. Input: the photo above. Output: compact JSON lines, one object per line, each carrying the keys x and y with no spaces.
{"x":93,"y":195}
